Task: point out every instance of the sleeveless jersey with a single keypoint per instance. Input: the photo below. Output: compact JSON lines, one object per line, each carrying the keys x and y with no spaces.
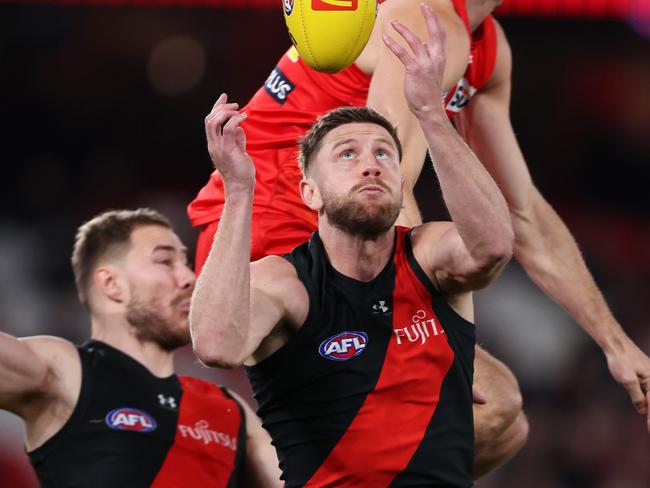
{"x":375,"y":389}
{"x":285,"y":107}
{"x":133,"y":429}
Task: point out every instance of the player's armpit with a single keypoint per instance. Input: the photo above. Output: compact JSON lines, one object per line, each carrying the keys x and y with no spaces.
{"x":30,"y":369}
{"x":279,"y":300}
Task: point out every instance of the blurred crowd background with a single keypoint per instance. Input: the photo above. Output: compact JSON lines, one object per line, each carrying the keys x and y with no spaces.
{"x":102,"y":107}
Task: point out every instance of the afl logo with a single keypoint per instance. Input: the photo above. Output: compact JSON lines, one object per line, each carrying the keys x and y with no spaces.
{"x":343,"y":346}
{"x":130,"y":419}
{"x":288,"y":6}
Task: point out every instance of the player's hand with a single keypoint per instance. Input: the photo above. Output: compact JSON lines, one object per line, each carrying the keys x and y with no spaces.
{"x":631,"y":368}
{"x":227,"y":144}
{"x":423,"y":74}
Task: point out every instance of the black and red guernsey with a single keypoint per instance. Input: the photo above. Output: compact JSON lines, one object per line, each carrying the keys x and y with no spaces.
{"x":375,"y":389}
{"x":133,"y":429}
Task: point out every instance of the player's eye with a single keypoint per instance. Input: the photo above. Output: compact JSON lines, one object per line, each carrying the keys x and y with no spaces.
{"x":166,"y":262}
{"x":347,"y":154}
{"x":381,"y":154}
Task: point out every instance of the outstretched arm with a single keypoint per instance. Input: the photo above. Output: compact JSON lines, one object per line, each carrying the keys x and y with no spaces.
{"x":470,"y":253}
{"x":543,"y":244}
{"x":220,"y":314}
{"x":235,"y":305}
{"x":386,"y":91}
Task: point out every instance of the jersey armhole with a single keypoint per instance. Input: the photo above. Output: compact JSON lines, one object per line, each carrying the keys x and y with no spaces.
{"x":438,"y":299}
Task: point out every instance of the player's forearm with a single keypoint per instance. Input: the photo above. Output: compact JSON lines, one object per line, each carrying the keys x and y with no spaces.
{"x":547,"y":251}
{"x":220,"y":311}
{"x":473,"y":199}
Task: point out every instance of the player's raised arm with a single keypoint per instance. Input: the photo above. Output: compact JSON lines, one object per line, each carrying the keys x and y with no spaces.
{"x":543,"y":244}
{"x":472,"y":251}
{"x":229,"y":318}
{"x":386,"y":91}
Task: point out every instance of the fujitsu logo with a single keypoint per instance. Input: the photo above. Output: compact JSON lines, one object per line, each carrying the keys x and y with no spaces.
{"x":420,"y":330}
{"x":200,"y":432}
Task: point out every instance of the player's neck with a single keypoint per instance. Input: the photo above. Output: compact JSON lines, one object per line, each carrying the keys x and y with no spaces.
{"x":356,"y":257}
{"x":477,"y":10}
{"x":121,"y":336}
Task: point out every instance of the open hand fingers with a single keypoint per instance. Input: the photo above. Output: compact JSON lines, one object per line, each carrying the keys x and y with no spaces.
{"x":397,"y":50}
{"x":216,"y":109}
{"x":232,"y":124}
{"x":215,"y":124}
{"x":223,"y":98}
{"x":437,"y":37}
{"x":647,"y":402}
{"x":637,"y":396}
{"x":414,"y":42}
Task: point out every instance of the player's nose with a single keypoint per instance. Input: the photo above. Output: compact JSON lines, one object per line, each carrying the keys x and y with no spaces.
{"x":370,"y":167}
{"x":186,"y":278}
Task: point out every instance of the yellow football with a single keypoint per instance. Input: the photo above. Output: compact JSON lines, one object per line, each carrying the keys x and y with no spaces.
{"x":329,"y":34}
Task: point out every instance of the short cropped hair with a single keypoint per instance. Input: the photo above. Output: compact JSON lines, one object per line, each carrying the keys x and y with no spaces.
{"x":309,"y":143}
{"x":107,"y":233}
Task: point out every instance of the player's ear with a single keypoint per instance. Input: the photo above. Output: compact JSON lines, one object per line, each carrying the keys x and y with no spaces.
{"x":310,"y":194}
{"x":109,"y":283}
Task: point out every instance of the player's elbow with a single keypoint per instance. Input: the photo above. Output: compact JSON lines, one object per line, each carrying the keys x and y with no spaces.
{"x":491,"y":258}
{"x":215,"y":358}
{"x":214,"y":351}
{"x":497,"y":250}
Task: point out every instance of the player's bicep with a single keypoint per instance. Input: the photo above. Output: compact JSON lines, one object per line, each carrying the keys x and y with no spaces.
{"x":267,"y":311}
{"x":447,"y":261}
{"x":23,"y":373}
{"x":278,"y":298}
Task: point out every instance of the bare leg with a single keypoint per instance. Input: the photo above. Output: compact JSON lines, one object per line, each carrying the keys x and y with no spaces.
{"x":501,"y":428}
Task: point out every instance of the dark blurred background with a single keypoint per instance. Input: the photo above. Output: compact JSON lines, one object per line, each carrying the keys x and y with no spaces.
{"x":102,"y":107}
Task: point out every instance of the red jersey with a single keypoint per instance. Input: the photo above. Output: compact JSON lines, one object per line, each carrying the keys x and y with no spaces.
{"x":283,"y":110}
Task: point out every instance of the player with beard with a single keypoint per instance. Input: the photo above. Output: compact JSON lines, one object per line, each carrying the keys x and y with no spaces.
{"x":111,"y":412}
{"x":359,"y":343}
{"x":477,"y":82}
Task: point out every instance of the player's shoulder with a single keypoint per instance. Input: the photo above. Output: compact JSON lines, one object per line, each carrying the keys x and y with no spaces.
{"x":272,"y":268}
{"x":61,"y":379}
{"x":429,"y":232}
{"x":277,"y":279}
{"x":55,"y":351}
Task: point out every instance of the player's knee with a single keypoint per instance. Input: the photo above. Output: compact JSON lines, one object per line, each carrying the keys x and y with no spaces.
{"x":499,"y":413}
{"x":497,"y":451}
{"x":521,"y":430}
